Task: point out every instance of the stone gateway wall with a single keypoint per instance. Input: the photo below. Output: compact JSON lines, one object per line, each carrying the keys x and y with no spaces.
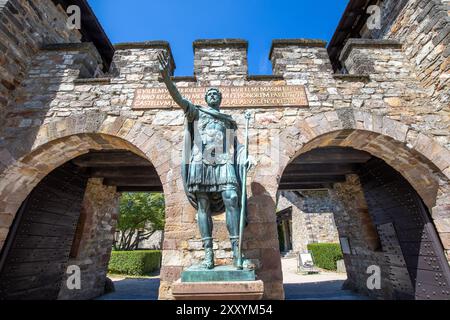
{"x":312,"y":218}
{"x":354,"y":223}
{"x":25,"y":27}
{"x":92,"y":246}
{"x":424,"y":28}
{"x":56,"y":111}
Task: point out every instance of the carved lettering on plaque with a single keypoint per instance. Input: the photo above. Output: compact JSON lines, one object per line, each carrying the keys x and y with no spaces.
{"x":233,"y":97}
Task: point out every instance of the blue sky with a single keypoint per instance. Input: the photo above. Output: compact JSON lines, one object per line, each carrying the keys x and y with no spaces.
{"x":182,"y":21}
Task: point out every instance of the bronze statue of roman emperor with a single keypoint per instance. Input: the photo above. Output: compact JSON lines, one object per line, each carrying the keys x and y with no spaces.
{"x":213,"y":166}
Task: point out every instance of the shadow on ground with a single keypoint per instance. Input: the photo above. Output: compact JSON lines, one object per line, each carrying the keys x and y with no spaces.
{"x":325,"y":290}
{"x":147,"y":289}
{"x":134,"y":289}
{"x":323,"y":286}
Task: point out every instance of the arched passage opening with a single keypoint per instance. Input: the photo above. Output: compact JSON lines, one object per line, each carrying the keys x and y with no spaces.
{"x":68,"y":215}
{"x":384,"y":220}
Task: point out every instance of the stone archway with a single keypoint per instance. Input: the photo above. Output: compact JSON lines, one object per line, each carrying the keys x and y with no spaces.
{"x":416,"y":158}
{"x":58,"y":142}
{"x":56,"y":148}
{"x":423,"y":162}
{"x":69,"y":219}
{"x":63,"y":140}
{"x":411,"y":153}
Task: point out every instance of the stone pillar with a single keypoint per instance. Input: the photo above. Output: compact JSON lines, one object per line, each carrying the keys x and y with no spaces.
{"x":182,"y":246}
{"x":261,"y":236}
{"x":221,"y":62}
{"x":138,"y":62}
{"x":91,"y":249}
{"x":354,"y":223}
{"x":180,"y":227}
{"x":441,"y":217}
{"x":312,"y":218}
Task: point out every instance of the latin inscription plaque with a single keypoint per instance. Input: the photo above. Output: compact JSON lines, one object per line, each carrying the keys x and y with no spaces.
{"x":233,"y":97}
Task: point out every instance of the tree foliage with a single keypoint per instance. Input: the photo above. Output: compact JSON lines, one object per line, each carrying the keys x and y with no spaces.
{"x":141,"y":214}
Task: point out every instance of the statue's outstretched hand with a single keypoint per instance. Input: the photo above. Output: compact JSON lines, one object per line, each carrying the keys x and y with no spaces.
{"x":164,"y":65}
{"x":251,"y":163}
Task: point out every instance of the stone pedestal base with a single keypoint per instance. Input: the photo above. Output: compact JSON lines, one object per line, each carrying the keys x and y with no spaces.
{"x":245,"y":290}
{"x":218,"y":274}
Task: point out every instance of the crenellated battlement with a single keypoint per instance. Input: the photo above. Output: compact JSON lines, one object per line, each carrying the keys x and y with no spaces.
{"x":219,"y":59}
{"x":285,"y":54}
{"x":225,"y":61}
{"x":301,"y":64}
{"x":361,"y":56}
{"x":138,"y":61}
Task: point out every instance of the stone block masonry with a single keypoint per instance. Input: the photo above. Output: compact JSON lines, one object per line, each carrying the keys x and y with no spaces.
{"x":80,"y":106}
{"x":24,"y":29}
{"x":424,"y":29}
{"x":312,"y":218}
{"x":221,"y":62}
{"x":354,"y":223}
{"x":93,"y":242}
{"x":53,"y":112}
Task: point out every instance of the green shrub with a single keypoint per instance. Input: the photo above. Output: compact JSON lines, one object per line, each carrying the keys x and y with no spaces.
{"x":326,"y":255}
{"x":134,"y":263}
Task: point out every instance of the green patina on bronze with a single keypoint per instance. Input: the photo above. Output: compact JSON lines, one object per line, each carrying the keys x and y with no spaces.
{"x":214,"y":168}
{"x":218,"y":274}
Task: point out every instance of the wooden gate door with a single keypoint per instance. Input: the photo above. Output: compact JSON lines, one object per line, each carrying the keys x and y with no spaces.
{"x":418,"y":267}
{"x":34,"y":259}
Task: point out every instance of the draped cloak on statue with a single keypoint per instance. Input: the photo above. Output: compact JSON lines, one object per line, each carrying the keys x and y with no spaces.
{"x":192,"y":138}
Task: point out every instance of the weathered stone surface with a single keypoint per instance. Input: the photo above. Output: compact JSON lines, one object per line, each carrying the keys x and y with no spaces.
{"x":94,"y":239}
{"x":248,"y":290}
{"x":312,"y":218}
{"x":398,"y":112}
{"x":354,"y":223}
{"x":16,"y":53}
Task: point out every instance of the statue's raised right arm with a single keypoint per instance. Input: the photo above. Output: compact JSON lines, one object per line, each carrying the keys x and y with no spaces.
{"x":164,"y":67}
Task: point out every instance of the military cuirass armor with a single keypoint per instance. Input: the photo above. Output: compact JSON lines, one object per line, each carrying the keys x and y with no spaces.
{"x":214,"y":146}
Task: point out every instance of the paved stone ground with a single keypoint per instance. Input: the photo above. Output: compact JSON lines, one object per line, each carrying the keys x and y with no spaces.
{"x":324,"y":286}
{"x":133,"y":289}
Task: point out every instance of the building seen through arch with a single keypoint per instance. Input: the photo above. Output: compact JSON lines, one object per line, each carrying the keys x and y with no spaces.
{"x":356,"y":130}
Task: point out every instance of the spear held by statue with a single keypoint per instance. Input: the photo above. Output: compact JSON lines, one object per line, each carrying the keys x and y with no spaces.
{"x":240,"y":263}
